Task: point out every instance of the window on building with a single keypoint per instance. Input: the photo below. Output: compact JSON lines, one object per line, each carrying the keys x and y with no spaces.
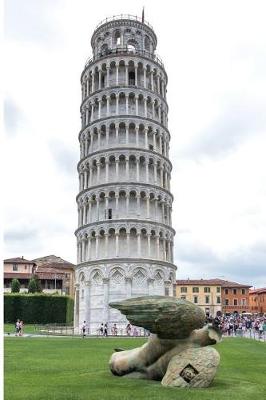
{"x":183,"y":297}
{"x":226,"y":291}
{"x":207,"y":290}
{"x":25,"y":266}
{"x":109,"y":213}
{"x":195,"y":299}
{"x":183,"y":289}
{"x":195,"y":290}
{"x":244,"y":302}
{"x":131,"y":78}
{"x":15,"y":267}
{"x":235,"y":302}
{"x":218,"y":289}
{"x":243,"y":291}
{"x":234,"y":291}
{"x":218,"y":300}
{"x":207,"y":299}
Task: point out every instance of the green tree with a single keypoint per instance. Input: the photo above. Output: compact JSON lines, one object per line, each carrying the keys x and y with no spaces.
{"x":15,"y":286}
{"x":32,"y":288}
{"x":38,"y":284}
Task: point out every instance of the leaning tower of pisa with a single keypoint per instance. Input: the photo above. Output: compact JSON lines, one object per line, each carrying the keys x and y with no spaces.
{"x":124,"y":235}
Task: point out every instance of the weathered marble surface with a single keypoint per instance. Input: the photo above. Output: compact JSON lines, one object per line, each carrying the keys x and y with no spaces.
{"x":176,"y":353}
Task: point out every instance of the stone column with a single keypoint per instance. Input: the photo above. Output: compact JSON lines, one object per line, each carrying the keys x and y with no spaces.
{"x":87,"y":303}
{"x":146,"y":137}
{"x":128,"y":244}
{"x":107,"y":171}
{"x":106,"y":245}
{"x":92,"y":112}
{"x":158,"y":246}
{"x":139,"y":244}
{"x":149,"y":244}
{"x":137,"y":136}
{"x":97,"y":246}
{"x":116,"y":169}
{"x":97,"y":208}
{"x":98,"y":171}
{"x":127,"y":134}
{"x":138,"y":204}
{"x":117,"y":104}
{"x":100,"y":80}
{"x":145,"y":76}
{"x":107,"y":75}
{"x":147,"y":170}
{"x":127,"y":168}
{"x":89,"y":218}
{"x":106,"y":299}
{"x":93,"y":82}
{"x":152,"y":83}
{"x":116,"y":244}
{"x":107,"y":106}
{"x":116,"y":204}
{"x":145,"y":107}
{"x":153,"y":112}
{"x":107,"y":135}
{"x":136,"y":75}
{"x":148,"y":206}
{"x":126,"y":68}
{"x":100,"y":109}
{"x":137,"y":169}
{"x":83,"y":250}
{"x":137,"y":104}
{"x":126,"y":103}
{"x":89,"y":247}
{"x":84,"y":214}
{"x":127,"y":204}
{"x":117,"y":74}
{"x":155,"y":172}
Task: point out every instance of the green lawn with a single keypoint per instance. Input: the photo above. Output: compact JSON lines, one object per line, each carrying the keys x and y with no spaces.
{"x":77,"y":369}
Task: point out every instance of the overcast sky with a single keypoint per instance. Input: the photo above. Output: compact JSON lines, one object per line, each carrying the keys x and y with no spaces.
{"x":215,"y":56}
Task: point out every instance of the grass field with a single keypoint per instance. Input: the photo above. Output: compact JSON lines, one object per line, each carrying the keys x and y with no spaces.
{"x":77,"y":369}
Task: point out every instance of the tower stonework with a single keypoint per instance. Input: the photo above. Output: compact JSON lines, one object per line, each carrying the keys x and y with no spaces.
{"x":124,"y":235}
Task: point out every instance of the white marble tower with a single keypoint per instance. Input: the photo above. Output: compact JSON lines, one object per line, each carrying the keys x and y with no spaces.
{"x":125,"y":235}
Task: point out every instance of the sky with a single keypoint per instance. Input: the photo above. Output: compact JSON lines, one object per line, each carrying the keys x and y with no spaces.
{"x":215,"y":55}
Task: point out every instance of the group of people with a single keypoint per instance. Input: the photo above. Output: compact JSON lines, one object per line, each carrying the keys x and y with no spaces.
{"x":19,"y":328}
{"x":241,"y":324}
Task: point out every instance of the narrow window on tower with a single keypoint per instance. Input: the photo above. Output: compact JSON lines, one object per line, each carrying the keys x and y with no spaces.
{"x":109,"y":213}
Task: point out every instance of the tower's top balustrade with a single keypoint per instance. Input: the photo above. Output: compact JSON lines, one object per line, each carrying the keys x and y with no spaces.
{"x":123,"y":34}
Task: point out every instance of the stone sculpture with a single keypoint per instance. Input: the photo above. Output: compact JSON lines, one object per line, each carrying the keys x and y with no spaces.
{"x":177,"y":352}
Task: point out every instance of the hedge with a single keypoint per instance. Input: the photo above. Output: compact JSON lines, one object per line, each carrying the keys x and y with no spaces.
{"x":38,"y":308}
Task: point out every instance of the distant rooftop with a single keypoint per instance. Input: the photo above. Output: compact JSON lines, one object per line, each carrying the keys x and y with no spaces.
{"x":52,"y":259}
{"x":18,"y":260}
{"x":216,"y":282}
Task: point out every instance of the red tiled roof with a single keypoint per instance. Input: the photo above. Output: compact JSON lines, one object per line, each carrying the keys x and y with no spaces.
{"x":210,"y":282}
{"x":18,"y":260}
{"x":53,"y":260}
{"x":257,"y":291}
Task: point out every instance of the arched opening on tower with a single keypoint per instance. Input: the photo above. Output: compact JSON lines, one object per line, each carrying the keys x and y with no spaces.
{"x":131,"y":77}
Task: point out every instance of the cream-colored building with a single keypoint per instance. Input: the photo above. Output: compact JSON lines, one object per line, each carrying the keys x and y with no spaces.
{"x":205,"y":293}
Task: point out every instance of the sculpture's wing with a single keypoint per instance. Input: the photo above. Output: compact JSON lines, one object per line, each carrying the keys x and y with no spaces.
{"x":168,"y":317}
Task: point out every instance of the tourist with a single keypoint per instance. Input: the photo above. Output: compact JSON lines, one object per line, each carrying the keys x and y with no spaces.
{"x":101,"y":329}
{"x":83,"y":329}
{"x":17,"y":324}
{"x":128,"y":329}
{"x":21,"y":328}
{"x":105,"y":332}
{"x":114,"y":330}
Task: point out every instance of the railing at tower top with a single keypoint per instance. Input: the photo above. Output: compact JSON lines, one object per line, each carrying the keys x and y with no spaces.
{"x":123,"y":16}
{"x":124,"y":50}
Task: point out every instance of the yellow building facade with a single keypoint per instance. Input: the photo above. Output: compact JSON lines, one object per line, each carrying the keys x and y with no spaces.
{"x":207,"y":294}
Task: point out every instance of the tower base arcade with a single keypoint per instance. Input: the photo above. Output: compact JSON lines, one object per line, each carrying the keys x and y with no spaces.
{"x":111,"y":280}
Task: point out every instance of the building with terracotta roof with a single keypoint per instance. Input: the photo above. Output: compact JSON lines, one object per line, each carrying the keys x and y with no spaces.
{"x":257,"y":300}
{"x":54,"y":273}
{"x":18,"y":268}
{"x":206,"y":293}
{"x":215,"y":295}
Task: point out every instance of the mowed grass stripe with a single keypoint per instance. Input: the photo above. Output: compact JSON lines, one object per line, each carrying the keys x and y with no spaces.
{"x":77,"y":369}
